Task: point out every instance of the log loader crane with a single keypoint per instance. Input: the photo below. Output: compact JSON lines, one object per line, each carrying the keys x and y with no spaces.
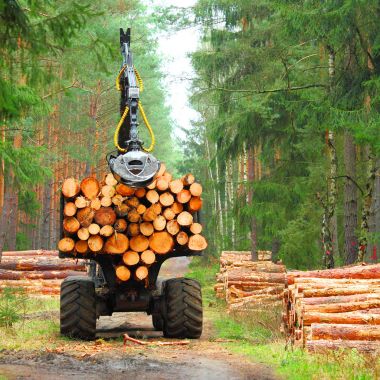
{"x":175,"y":304}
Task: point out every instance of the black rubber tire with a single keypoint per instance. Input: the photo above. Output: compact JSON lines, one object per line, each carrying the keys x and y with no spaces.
{"x":158,"y":322}
{"x":78,"y":308}
{"x":183,"y":313}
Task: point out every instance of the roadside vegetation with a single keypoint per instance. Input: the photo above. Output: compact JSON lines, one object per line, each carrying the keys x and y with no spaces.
{"x":256,"y":334}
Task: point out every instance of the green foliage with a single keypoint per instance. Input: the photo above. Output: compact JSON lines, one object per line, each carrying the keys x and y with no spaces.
{"x":263,"y":84}
{"x":12,"y":306}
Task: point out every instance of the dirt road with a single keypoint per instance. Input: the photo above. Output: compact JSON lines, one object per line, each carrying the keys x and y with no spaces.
{"x":108,"y":359}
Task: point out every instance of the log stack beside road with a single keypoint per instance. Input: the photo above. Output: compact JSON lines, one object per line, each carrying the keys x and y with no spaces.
{"x":134,"y":225}
{"x":333,"y":309}
{"x":247,"y":285}
{"x":37,"y":271}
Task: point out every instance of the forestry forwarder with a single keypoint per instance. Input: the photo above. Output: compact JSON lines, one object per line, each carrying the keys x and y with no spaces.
{"x":175,"y":304}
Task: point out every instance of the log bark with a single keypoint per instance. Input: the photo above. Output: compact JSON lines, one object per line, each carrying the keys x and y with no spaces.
{"x":323,"y":331}
{"x":116,"y":244}
{"x":161,"y":242}
{"x":354,"y":317}
{"x":42,"y":275}
{"x":17,"y":266}
{"x":343,"y":307}
{"x":338,"y":290}
{"x":340,"y":299}
{"x":131,"y":258}
{"x":321,"y":346}
{"x":90,"y":188}
{"x":139,"y":243}
{"x":30,"y":253}
{"x":70,"y":187}
{"x":354,"y":272}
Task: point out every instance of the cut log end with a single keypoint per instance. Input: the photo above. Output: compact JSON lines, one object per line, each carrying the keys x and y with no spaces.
{"x":131,"y":258}
{"x":197,"y":243}
{"x":123,"y":273}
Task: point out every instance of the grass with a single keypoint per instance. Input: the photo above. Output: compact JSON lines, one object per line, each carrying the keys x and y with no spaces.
{"x":257,"y":336}
{"x":34,"y":328}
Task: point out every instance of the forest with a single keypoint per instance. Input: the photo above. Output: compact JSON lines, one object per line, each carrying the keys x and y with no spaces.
{"x":287,"y":140}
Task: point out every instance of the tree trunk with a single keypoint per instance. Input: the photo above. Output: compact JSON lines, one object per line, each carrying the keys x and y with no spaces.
{"x":350,"y":200}
{"x":366,"y":208}
{"x":251,"y":180}
{"x":344,"y":331}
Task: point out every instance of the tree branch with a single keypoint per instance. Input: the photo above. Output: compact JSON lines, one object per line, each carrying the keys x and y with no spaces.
{"x":74,"y":84}
{"x":296,"y":88}
{"x":350,"y":179}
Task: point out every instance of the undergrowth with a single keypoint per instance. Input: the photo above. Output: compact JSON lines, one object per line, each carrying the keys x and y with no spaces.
{"x":27,"y":322}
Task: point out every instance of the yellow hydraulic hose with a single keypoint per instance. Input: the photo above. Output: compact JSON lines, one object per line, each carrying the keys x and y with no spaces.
{"x":146,"y":121}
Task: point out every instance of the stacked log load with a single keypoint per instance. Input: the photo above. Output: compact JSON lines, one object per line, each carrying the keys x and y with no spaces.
{"x":135,"y":225}
{"x":334,"y":309}
{"x":37,"y":271}
{"x":245,"y":284}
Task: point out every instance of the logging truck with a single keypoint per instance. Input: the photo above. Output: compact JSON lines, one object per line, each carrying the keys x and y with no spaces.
{"x":127,"y":225}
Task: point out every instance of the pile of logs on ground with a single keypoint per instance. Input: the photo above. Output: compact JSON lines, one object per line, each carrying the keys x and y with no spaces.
{"x":111,"y":218}
{"x":37,"y":271}
{"x":334,"y":309}
{"x":247,"y":285}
